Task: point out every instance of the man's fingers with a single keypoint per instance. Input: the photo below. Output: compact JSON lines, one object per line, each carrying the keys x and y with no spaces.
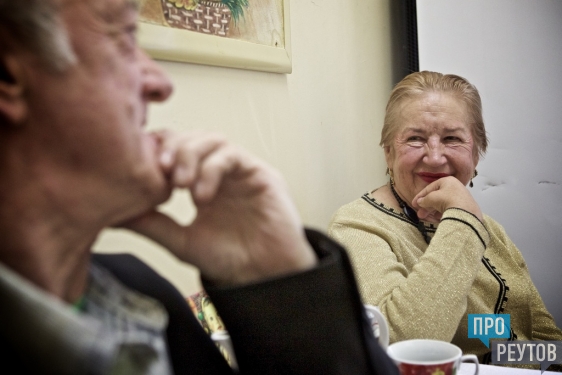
{"x":182,"y":155}
{"x":189,"y":157}
{"x":200,"y":162}
{"x":226,"y":162}
{"x":160,"y":228}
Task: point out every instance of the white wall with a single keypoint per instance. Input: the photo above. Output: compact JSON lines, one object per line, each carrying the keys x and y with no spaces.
{"x":512,"y":51}
{"x":319,"y":125}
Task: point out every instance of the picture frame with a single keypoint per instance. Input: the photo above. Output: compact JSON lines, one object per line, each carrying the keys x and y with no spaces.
{"x":173,"y":44}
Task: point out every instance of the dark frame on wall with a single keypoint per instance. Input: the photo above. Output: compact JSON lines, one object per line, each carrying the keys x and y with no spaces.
{"x":404,"y":35}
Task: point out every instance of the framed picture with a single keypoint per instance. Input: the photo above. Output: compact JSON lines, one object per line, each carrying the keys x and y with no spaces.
{"x":244,"y":34}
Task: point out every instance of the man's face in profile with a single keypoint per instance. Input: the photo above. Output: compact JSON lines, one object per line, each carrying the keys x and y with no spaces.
{"x":93,"y":113}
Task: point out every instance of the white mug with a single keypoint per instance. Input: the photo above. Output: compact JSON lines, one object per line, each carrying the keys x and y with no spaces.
{"x":224,"y":343}
{"x":420,"y":357}
{"x":379,"y":325}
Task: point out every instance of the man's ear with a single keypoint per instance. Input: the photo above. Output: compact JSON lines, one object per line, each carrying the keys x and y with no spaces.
{"x":13,"y":106}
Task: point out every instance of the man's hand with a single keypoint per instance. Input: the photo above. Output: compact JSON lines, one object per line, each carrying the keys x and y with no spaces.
{"x":246,"y":228}
{"x":447,"y":192}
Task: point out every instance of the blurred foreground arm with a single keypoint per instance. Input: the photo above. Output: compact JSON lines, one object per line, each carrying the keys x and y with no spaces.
{"x":288,"y":299}
{"x":310,"y":323}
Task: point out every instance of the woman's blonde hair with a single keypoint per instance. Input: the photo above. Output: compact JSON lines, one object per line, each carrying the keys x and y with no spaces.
{"x":417,"y":84}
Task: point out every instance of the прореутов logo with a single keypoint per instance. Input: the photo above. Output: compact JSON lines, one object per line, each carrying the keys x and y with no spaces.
{"x":488,"y":326}
{"x":498,"y":326}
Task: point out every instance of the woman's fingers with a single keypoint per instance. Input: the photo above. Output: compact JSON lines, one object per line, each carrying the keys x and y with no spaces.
{"x":443,"y":194}
{"x":429,"y":215}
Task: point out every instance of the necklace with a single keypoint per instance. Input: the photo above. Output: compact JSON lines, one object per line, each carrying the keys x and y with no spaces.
{"x":411,"y":214}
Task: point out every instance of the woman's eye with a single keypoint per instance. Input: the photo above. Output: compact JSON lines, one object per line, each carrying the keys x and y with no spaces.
{"x":414,"y":138}
{"x":452,"y":139}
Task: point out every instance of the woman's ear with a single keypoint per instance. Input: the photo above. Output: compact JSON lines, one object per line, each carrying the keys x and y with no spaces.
{"x":389,"y":156}
{"x":476,"y":158}
{"x":13,"y":106}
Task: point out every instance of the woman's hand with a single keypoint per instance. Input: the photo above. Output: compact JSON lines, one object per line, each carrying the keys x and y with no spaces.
{"x":447,"y":192}
{"x":246,"y":228}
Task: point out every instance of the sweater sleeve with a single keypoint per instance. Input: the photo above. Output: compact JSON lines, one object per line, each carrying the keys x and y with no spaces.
{"x":543,"y":325}
{"x":311,"y":322}
{"x":428,"y":299}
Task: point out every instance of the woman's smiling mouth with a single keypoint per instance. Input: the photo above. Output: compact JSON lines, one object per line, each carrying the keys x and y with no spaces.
{"x":431,"y":177}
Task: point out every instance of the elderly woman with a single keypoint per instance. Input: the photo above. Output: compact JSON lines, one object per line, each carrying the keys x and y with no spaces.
{"x":422,"y":249}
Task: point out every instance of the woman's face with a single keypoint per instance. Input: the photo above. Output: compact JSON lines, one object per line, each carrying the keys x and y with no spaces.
{"x":433,"y":140}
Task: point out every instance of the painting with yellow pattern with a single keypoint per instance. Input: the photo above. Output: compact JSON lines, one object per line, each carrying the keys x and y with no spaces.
{"x":255,"y":21}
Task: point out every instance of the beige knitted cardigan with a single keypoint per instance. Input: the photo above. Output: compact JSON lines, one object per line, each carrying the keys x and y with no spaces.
{"x":427,"y":291}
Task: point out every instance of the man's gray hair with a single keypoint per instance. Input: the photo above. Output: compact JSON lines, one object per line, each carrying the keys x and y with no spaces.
{"x":35,"y":26}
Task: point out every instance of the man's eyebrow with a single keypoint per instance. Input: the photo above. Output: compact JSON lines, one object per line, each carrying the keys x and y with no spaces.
{"x":118,"y":11}
{"x":130,"y":5}
{"x":126,"y":5}
{"x":135,"y":4}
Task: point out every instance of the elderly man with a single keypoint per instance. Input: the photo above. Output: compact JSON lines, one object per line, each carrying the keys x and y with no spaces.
{"x":74,"y":91}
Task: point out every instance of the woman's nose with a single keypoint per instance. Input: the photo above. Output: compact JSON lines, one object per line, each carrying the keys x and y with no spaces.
{"x":157,"y":87}
{"x":434,"y":154}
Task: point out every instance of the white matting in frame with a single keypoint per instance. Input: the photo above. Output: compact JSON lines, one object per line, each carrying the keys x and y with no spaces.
{"x":174,"y":44}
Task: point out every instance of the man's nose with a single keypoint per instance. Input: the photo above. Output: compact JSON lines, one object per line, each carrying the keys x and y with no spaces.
{"x":157,"y":87}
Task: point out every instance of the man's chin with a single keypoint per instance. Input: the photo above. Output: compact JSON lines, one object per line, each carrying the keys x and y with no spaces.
{"x":158,"y":192}
{"x":136,"y":213}
{"x":163,"y":196}
{"x":144,"y":201}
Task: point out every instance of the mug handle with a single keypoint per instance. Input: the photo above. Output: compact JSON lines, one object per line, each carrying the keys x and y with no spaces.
{"x":471,"y":358}
{"x":379,"y":325}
